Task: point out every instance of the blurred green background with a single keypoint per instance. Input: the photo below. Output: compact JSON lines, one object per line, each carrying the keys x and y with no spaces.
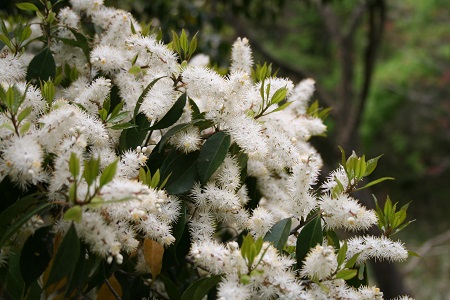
{"x":384,"y":68}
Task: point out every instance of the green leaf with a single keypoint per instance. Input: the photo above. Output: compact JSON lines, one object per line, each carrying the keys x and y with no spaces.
{"x":66,"y":257}
{"x":375,"y":182}
{"x":24,"y":128}
{"x":27,"y":6}
{"x":17,"y":208}
{"x":26,"y":33}
{"x":6,"y":41}
{"x":193,"y":45}
{"x":75,"y":213}
{"x":74,"y":165}
{"x":171,"y":288}
{"x":123,"y":126}
{"x":108,"y":173}
{"x":282,"y":107}
{"x":184,"y":41}
{"x":90,"y":171}
{"x":82,"y":42}
{"x":279,"y":233}
{"x":172,"y":115}
{"x":20,"y":221}
{"x":13,"y":283}
{"x":279,"y":95}
{"x":200,"y":288}
{"x":351,"y":262}
{"x":342,"y":253}
{"x":175,"y":42}
{"x":35,"y":255}
{"x":42,"y":66}
{"x":135,"y":70}
{"x":371,"y":165}
{"x":346,"y":274}
{"x":195,"y":109}
{"x":308,"y":238}
{"x":133,"y":137}
{"x":183,"y":170}
{"x":165,"y":138}
{"x":118,"y":116}
{"x":212,"y":155}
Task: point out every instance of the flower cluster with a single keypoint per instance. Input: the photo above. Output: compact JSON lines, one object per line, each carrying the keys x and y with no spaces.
{"x":127,"y":142}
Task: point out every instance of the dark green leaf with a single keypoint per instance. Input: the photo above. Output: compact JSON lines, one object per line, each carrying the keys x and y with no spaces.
{"x":14,"y":284}
{"x":66,"y":257}
{"x":172,"y":115}
{"x":195,"y":109}
{"x":42,"y":66}
{"x":183,"y":174}
{"x":165,"y":138}
{"x":35,"y":255}
{"x":309,"y":237}
{"x":279,"y":233}
{"x":82,"y":42}
{"x":19,"y":207}
{"x":123,"y":126}
{"x":42,"y":207}
{"x":212,"y":154}
{"x":171,"y":288}
{"x":133,"y":137}
{"x":200,"y":288}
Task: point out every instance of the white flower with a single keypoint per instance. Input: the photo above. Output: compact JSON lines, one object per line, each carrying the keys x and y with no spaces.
{"x":11,"y":68}
{"x":187,"y":140}
{"x":159,"y":99}
{"x":241,"y":56}
{"x":232,"y":288}
{"x":345,"y":212}
{"x":22,"y":160}
{"x":380,"y":248}
{"x":109,"y":59}
{"x":260,"y":222}
{"x":300,"y":96}
{"x":320,"y":262}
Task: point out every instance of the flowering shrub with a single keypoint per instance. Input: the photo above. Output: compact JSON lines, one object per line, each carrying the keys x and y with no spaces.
{"x":141,"y":172}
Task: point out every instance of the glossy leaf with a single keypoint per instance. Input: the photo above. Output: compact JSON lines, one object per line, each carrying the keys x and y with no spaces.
{"x":66,"y":257}
{"x":19,"y":222}
{"x":35,"y":255}
{"x":200,"y":288}
{"x":183,"y":174}
{"x":171,"y":289}
{"x":212,"y":154}
{"x":172,"y":115}
{"x":308,"y":238}
{"x":42,"y":66}
{"x":279,"y":233}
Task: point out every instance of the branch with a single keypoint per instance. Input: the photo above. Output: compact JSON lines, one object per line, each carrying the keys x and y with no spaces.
{"x":425,"y":248}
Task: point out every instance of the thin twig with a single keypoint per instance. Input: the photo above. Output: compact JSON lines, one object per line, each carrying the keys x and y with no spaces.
{"x":112,"y":290}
